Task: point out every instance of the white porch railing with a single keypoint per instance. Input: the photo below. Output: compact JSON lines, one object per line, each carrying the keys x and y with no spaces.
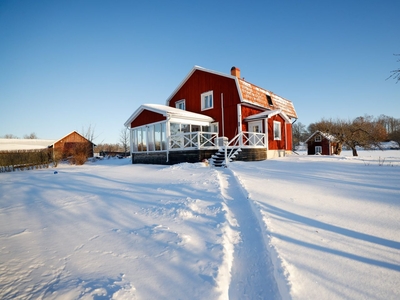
{"x":248,"y":139}
{"x":193,"y":140}
{"x":208,"y":140}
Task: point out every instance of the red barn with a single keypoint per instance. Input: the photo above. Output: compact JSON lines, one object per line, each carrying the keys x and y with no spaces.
{"x":206,"y":111}
{"x":72,"y":143}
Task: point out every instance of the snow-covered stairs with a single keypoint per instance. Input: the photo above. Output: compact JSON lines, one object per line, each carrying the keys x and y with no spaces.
{"x":218,"y":159}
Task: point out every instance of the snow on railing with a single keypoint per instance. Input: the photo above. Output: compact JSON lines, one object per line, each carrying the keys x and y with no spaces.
{"x":248,"y":139}
{"x":193,"y":140}
{"x":207,"y":140}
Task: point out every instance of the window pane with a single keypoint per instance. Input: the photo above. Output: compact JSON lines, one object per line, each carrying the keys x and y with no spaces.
{"x":174,"y":128}
{"x":185,"y":127}
{"x":150,"y":137}
{"x":134,"y":140}
{"x":144,"y":139}
{"x":157,"y":136}
{"x":163,"y":136}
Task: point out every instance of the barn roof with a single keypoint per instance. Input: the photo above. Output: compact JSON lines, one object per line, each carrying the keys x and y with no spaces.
{"x":248,"y":93}
{"x":168,"y":111}
{"x":72,"y":132}
{"x":328,"y":136}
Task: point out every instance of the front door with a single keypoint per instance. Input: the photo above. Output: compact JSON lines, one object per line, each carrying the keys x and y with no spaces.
{"x":255,"y":128}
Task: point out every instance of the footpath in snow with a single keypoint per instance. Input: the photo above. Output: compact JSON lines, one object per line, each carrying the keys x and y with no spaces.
{"x":252,"y":274}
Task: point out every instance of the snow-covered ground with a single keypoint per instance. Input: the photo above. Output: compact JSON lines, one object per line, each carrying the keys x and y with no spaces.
{"x":301,"y":227}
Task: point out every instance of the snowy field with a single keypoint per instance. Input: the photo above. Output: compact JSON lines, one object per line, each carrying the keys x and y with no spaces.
{"x":299,"y":227}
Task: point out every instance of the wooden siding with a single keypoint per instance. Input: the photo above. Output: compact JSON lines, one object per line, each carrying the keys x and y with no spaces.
{"x":201,"y":82}
{"x":147,"y":117}
{"x":67,"y":144}
{"x":276,"y":144}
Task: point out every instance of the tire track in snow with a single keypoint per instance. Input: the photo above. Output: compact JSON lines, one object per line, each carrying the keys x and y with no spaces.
{"x":252,"y":273}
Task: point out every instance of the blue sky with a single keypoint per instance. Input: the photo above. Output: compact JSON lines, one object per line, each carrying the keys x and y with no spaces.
{"x":68,"y":65}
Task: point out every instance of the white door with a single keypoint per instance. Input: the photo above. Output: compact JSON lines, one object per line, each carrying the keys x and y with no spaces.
{"x":254,"y":129}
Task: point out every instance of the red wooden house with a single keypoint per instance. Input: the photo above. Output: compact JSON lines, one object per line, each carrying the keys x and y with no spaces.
{"x":321,"y":143}
{"x":206,"y":111}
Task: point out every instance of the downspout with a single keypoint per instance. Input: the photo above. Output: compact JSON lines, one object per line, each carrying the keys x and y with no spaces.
{"x":239,"y":122}
{"x":168,"y":133}
{"x":222,"y":111}
{"x":295,"y":120}
{"x":266,"y":132}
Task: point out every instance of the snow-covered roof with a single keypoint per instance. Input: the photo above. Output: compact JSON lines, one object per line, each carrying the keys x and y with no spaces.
{"x":168,"y":111}
{"x":258,"y":96}
{"x":268,"y":113}
{"x":24,"y":144}
{"x":328,"y":136}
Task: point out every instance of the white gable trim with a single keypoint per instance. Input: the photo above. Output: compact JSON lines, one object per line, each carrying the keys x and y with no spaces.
{"x":268,"y":113}
{"x":195,"y":68}
{"x":174,"y":114}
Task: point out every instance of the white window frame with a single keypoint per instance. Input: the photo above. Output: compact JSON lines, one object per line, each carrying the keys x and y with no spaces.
{"x":318,"y":138}
{"x":277,"y":125}
{"x":181,"y":104}
{"x":206,"y":101}
{"x":319,"y":149}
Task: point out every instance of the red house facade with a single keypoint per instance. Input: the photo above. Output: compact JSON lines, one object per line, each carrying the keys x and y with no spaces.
{"x":320,"y":143}
{"x":210,"y":110}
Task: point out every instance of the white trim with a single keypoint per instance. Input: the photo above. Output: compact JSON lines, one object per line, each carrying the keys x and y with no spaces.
{"x":205,"y":100}
{"x":168,"y":111}
{"x":194,"y":69}
{"x":280,"y":131}
{"x":177,"y":104}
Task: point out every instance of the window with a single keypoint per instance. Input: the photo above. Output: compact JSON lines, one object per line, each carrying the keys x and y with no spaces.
{"x":207,"y":100}
{"x":152,"y":137}
{"x":269,"y":99}
{"x":318,"y":138}
{"x":180,"y":104}
{"x":318,"y":149}
{"x":277,"y":130}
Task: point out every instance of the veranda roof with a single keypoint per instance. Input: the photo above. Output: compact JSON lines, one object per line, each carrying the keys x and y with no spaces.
{"x":174,"y":114}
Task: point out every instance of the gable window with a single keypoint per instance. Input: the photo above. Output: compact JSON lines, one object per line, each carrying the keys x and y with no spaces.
{"x":277,"y":130}
{"x":269,"y":99}
{"x":318,"y":138}
{"x":207,"y":101}
{"x":180,"y":104}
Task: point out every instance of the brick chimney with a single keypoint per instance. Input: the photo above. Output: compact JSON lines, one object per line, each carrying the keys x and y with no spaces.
{"x":235,"y":72}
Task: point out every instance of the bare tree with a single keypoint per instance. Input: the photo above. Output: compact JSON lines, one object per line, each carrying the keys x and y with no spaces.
{"x":395,"y":136}
{"x":89,"y":133}
{"x":10,"y":136}
{"x":31,"y":136}
{"x":360,"y":132}
{"x":395,"y":73}
{"x":124,"y":140}
{"x":299,"y":133}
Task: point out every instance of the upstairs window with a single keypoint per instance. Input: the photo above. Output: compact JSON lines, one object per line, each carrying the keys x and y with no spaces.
{"x":269,"y":99}
{"x":207,"y":100}
{"x":180,"y":104}
{"x":318,"y":138}
{"x":277,"y":130}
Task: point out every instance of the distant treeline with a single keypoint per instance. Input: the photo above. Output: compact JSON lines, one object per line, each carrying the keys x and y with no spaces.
{"x":13,"y":160}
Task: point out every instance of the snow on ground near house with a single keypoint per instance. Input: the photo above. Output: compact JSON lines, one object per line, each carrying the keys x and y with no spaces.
{"x":297,"y":227}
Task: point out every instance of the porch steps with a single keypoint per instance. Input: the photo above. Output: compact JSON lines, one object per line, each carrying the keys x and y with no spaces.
{"x":218,"y":159}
